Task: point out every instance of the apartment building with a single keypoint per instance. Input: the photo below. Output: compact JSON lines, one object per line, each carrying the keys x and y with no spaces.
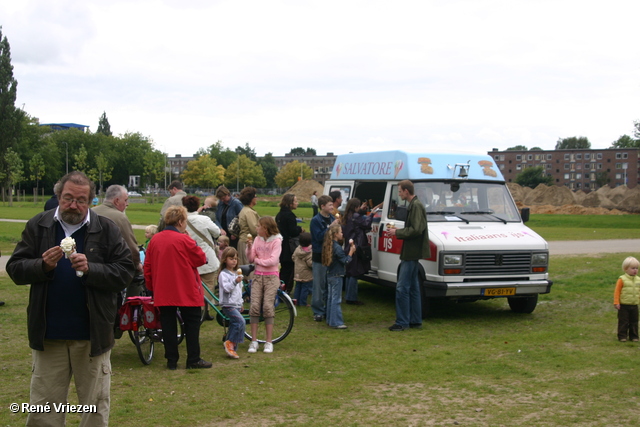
{"x":577,"y":169}
{"x":321,"y":165}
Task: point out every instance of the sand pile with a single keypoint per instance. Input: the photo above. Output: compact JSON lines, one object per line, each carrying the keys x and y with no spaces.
{"x":304,"y":189}
{"x":561,"y":200}
{"x":550,"y":195}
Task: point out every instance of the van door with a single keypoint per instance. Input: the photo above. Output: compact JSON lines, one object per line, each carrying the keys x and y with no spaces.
{"x":345,"y":188}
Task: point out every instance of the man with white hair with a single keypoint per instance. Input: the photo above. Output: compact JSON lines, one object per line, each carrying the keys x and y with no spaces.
{"x":116,"y":200}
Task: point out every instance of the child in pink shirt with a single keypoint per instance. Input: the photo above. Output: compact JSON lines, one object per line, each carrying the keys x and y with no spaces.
{"x":264,"y":252}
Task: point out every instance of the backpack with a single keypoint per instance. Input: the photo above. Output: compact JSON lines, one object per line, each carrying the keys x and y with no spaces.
{"x":234,"y":227}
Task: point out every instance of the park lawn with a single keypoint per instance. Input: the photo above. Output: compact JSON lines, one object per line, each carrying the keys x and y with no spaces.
{"x":471,"y":364}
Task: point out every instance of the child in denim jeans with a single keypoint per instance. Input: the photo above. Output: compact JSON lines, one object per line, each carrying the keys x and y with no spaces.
{"x":230,"y":284}
{"x":303,"y":273}
{"x":334,"y":258}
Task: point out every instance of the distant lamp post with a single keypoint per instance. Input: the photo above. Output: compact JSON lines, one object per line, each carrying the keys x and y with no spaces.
{"x":67,"y":152}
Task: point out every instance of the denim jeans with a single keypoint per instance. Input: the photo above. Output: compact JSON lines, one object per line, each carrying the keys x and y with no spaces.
{"x":351,"y":288}
{"x":237,"y":325}
{"x":408,"y":304}
{"x":334,"y":298}
{"x":319,"y":297}
{"x":301,"y":292}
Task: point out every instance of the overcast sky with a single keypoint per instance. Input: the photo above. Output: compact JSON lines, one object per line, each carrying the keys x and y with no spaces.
{"x":337,"y":76}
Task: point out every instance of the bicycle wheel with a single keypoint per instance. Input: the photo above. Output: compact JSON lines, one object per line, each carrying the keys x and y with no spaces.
{"x":285,"y":315}
{"x":144,"y":344}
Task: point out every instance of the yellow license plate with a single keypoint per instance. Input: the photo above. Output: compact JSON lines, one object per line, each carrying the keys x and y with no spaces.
{"x":499,"y":292}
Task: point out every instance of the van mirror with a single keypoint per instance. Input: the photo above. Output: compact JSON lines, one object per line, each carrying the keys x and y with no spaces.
{"x":524,"y":214}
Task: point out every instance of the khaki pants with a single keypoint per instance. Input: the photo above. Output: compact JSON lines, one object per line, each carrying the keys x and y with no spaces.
{"x":51,"y":375}
{"x":264,"y":289}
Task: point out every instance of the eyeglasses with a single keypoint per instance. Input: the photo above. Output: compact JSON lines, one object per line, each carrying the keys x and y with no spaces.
{"x":80,"y":202}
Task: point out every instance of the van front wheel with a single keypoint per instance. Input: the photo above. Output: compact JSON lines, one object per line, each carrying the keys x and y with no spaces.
{"x":524,"y":305}
{"x":425,"y":302}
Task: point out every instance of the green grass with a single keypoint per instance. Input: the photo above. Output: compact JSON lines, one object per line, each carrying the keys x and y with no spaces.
{"x":586,"y":227}
{"x":471,"y":364}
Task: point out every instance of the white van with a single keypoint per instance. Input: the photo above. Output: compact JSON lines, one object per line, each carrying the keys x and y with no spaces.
{"x":480,"y":247}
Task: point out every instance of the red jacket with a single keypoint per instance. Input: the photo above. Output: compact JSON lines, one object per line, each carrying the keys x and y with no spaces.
{"x":170,"y":269}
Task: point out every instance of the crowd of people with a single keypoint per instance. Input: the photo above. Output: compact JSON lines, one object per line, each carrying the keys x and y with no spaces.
{"x":73,"y":304}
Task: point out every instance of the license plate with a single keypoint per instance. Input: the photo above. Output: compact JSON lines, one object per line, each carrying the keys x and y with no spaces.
{"x":499,"y":292}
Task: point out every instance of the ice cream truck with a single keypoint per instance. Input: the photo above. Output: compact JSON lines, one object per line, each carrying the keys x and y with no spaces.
{"x":480,"y":247}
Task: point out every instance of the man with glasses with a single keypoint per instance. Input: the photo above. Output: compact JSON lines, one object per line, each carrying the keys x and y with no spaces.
{"x":72,"y":301}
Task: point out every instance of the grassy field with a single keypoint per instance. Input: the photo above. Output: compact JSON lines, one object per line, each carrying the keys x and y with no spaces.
{"x":474,"y":364}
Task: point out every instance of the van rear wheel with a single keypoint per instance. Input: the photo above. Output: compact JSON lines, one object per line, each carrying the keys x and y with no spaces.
{"x":524,"y":305}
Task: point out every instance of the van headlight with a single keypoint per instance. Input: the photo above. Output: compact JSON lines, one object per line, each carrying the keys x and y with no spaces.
{"x":540,"y":259}
{"x":539,"y":262}
{"x":452,"y":260}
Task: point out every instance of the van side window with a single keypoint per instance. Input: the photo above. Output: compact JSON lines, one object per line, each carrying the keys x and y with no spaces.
{"x":397,"y":207}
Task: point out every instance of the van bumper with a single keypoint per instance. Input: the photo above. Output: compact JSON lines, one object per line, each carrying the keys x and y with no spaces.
{"x":476,"y":289}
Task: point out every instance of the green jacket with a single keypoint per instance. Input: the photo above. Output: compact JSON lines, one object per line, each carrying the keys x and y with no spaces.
{"x":415,"y":234}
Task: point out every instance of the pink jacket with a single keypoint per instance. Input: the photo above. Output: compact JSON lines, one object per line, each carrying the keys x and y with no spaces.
{"x":265,"y":254}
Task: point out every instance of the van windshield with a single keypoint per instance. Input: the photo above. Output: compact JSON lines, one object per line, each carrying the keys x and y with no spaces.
{"x":462,"y":201}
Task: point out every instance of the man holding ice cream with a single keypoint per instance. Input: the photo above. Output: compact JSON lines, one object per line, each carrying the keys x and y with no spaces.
{"x":72,"y":300}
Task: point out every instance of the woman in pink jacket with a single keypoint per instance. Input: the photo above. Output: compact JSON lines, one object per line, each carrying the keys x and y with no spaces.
{"x":264,"y":252}
{"x":171,"y":272}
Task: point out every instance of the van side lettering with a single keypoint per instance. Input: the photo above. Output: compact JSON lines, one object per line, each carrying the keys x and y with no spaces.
{"x":368,"y":168}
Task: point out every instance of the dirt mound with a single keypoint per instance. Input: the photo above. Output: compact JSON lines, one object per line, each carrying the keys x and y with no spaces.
{"x":579,"y":196}
{"x":550,"y":195}
{"x":304,"y":189}
{"x":597,"y":199}
{"x":617,"y":194}
{"x":631,"y":203}
{"x":573,"y":210}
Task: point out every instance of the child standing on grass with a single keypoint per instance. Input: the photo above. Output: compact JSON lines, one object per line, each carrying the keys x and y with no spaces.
{"x":230,"y":284}
{"x":264,"y":252}
{"x":303,"y":273}
{"x":626,"y":298}
{"x":334,"y":258}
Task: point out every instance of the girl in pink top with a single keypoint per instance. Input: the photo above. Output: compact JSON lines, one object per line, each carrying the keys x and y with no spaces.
{"x":264,"y":252}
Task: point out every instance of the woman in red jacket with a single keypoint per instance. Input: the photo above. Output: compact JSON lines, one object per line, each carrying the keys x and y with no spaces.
{"x":170,"y":271}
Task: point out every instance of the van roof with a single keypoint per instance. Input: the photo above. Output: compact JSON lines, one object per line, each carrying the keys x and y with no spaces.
{"x":398,"y":165}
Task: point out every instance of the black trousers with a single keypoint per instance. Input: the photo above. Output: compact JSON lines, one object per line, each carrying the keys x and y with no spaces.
{"x":191,"y":319}
{"x":286,"y":274}
{"x":628,"y":322}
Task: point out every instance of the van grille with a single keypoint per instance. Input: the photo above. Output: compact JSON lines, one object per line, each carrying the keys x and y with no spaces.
{"x":482,"y":263}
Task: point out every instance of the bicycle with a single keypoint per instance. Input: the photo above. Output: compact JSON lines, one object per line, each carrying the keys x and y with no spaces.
{"x":284,"y":307}
{"x":142,"y":337}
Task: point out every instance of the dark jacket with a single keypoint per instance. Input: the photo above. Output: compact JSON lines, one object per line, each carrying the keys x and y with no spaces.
{"x":414,"y":235}
{"x":356,"y":228}
{"x":234,"y":208}
{"x":110,"y":271}
{"x":288,"y":227}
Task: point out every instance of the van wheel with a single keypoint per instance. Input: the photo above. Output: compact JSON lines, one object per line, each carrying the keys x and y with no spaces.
{"x":524,"y":305}
{"x":426,"y":303}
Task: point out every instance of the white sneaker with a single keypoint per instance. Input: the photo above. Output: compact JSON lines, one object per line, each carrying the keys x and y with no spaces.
{"x":253,"y":347}
{"x":268,"y":347}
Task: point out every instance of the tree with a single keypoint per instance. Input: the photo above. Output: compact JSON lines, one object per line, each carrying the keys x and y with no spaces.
{"x":535,"y":149}
{"x":203,"y":172}
{"x":224,"y":156}
{"x":80,"y":160}
{"x":532,"y":177}
{"x":298,"y":151}
{"x":311,"y":151}
{"x":290,"y":173}
{"x":247,"y":151}
{"x":573,"y":142}
{"x":517,"y":148}
{"x":103,"y":125}
{"x":9,"y":115}
{"x":602,"y":179}
{"x":625,"y":141}
{"x":244,"y":172}
{"x":14,"y":171}
{"x":37,"y":168}
{"x":269,"y":168}
{"x":102,"y":171}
